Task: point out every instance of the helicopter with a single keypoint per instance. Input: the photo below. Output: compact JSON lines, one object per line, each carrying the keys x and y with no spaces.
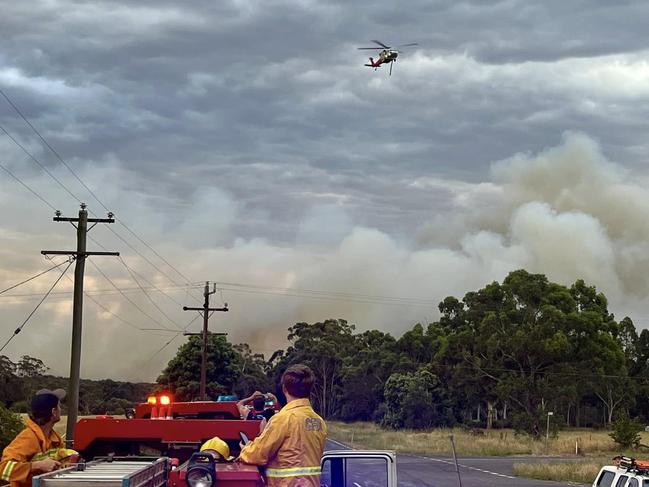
{"x":387,"y":55}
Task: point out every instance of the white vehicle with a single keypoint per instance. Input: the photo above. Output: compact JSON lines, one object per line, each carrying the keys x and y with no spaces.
{"x":628,"y":473}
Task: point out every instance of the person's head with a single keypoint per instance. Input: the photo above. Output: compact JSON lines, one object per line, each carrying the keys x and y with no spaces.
{"x":46,"y":406}
{"x":259,"y":403}
{"x":297,"y":381}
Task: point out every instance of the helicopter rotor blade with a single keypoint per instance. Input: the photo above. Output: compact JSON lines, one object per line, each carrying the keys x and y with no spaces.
{"x":391,"y":67}
{"x":407,"y":45}
{"x":380,"y":44}
{"x":372,"y":48}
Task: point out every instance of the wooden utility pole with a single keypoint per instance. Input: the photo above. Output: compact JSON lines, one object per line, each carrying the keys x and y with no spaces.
{"x":206,"y":317}
{"x":77,"y":307}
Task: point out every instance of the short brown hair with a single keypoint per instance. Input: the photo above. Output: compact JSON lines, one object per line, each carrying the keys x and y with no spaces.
{"x":298,"y":380}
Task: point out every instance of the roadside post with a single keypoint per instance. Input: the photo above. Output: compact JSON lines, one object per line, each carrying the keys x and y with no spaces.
{"x":457,"y":466}
{"x":547,"y":432}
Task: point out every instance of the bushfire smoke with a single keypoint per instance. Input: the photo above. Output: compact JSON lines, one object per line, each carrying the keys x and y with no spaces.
{"x":565,"y":211}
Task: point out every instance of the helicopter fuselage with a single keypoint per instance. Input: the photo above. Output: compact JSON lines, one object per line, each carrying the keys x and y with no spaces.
{"x":388,"y":55}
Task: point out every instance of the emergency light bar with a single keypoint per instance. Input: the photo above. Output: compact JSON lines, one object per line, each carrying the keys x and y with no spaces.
{"x":160,"y":406}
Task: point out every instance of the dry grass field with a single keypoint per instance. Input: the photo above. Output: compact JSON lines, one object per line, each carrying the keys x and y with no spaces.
{"x":494,"y":442}
{"x":582,"y":471}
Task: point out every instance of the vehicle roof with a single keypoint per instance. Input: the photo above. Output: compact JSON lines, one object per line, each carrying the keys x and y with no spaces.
{"x":623,"y":471}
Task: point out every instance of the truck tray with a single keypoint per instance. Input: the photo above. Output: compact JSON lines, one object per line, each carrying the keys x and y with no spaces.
{"x":104,"y":473}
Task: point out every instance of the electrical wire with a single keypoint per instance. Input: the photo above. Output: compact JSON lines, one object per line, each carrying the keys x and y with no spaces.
{"x":134,"y":273}
{"x":32,"y":191}
{"x":99,"y":292}
{"x":147,"y":294}
{"x":92,"y":193}
{"x":126,"y":297}
{"x":66,"y":189}
{"x":329,"y":293}
{"x":172,"y":339}
{"x":49,"y":147}
{"x":34,"y":277}
{"x":331,"y":298}
{"x":104,"y":308}
{"x":19,"y":329}
{"x":42,"y":166}
{"x":146,"y":259}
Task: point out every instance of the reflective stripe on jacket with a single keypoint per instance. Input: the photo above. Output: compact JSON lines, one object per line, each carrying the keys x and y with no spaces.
{"x":290,"y":446}
{"x":30,"y":445}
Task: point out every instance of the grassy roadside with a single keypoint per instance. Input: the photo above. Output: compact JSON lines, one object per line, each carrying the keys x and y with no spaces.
{"x":582,"y":471}
{"x":489,"y":443}
{"x":596,"y":447}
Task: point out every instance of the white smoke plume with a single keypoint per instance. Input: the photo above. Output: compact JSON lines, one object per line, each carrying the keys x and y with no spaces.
{"x":567,"y":212}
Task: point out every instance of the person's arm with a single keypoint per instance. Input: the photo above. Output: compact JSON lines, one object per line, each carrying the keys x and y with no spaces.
{"x":15,"y":465}
{"x":241,"y":405}
{"x":265,"y":446}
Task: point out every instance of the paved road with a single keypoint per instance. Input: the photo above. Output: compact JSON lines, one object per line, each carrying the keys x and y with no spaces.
{"x":421,"y":471}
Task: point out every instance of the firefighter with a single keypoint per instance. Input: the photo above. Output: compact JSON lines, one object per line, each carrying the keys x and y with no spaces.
{"x":38,"y":448}
{"x":291,"y":446}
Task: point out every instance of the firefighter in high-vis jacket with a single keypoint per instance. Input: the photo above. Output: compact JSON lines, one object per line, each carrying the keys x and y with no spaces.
{"x":38,"y":448}
{"x":291,"y":445}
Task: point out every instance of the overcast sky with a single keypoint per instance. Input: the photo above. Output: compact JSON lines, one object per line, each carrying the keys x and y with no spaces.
{"x":247,"y":144}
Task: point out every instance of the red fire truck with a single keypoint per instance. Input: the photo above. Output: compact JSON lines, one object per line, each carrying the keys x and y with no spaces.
{"x":162,"y":427}
{"x":158,"y":446}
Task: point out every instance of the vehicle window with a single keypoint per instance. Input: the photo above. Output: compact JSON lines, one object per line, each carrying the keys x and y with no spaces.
{"x":325,"y":475}
{"x":352,"y":472}
{"x":366,"y":471}
{"x":633,"y":483}
{"x":621,"y":481}
{"x":605,"y":479}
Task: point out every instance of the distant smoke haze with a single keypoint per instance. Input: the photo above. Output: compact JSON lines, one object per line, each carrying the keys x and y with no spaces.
{"x":566,"y":211}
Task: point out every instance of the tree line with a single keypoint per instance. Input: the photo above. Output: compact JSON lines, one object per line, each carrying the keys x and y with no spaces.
{"x":505,"y":355}
{"x":20,"y":380}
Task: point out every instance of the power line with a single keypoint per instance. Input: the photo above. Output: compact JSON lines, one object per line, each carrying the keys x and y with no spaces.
{"x":42,"y":166}
{"x":106,"y":309}
{"x":126,"y":297}
{"x":123,"y":320}
{"x":47,"y":144}
{"x":172,"y":339}
{"x":101,"y":292}
{"x":146,"y":259}
{"x":147,"y":295}
{"x":155,"y":252}
{"x":329,"y":294}
{"x":134,"y":273}
{"x":49,"y":147}
{"x":330,"y":298}
{"x":19,"y":329}
{"x":32,"y":191}
{"x":34,"y":277}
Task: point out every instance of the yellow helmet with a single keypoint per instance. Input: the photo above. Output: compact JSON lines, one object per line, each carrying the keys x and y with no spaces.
{"x":219,"y":446}
{"x":66,"y":455}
